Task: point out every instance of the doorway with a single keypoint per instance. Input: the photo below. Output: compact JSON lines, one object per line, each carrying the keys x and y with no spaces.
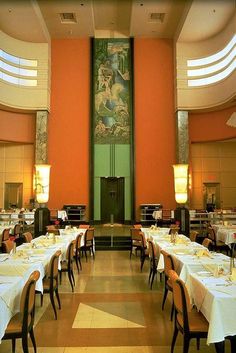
{"x":112,"y":199}
{"x":13,"y":195}
{"x":211,"y":192}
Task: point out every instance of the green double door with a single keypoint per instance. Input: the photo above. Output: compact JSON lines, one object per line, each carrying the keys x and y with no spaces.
{"x":112,"y":199}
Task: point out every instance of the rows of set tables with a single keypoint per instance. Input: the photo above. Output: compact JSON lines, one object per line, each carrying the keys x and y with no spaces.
{"x":207,"y":276}
{"x":16,"y":268}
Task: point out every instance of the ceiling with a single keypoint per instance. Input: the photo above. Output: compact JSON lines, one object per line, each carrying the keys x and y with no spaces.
{"x":187,"y":20}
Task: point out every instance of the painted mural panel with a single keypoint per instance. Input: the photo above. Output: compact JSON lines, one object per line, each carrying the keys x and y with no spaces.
{"x":112,"y":91}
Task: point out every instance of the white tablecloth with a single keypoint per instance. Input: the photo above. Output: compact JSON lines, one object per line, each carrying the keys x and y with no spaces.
{"x":10,"y":291}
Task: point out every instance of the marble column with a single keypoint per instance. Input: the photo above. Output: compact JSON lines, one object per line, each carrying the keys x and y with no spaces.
{"x":41,"y":141}
{"x":182,"y":138}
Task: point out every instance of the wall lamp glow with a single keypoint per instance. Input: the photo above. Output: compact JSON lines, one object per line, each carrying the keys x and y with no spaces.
{"x":42,"y":174}
{"x":181,"y":182}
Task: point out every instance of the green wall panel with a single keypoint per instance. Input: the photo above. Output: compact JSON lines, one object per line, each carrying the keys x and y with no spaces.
{"x":127,"y":199}
{"x":122,"y":160}
{"x":101,"y":160}
{"x":97,"y":197}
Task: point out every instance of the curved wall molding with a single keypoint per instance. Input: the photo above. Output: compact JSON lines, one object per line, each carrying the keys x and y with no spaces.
{"x":206,"y":71}
{"x":24,"y":74}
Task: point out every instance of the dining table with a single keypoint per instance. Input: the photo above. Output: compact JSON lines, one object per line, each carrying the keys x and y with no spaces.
{"x":209,"y":281}
{"x":10,"y":292}
{"x":225,"y":233}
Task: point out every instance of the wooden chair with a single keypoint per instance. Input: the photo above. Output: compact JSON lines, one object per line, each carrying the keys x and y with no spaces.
{"x":27,"y":237}
{"x":138,"y":226}
{"x":67,"y":264}
{"x":21,"y":324}
{"x":50,"y":282}
{"x":174,"y":228}
{"x":136,"y":240}
{"x":6,"y":234}
{"x":144,"y":250}
{"x":154,"y":254}
{"x":217,"y":244}
{"x":88,"y":243}
{"x":190,"y":322}
{"x":193,"y":235}
{"x":77,"y":251}
{"x":17,"y":230}
{"x":207,"y":243}
{"x":84,"y":226}
{"x":168,"y":265}
{"x":52,"y":229}
{"x":7,"y":246}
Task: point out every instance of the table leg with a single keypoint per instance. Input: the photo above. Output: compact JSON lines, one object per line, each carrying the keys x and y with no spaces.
{"x":220,"y":347}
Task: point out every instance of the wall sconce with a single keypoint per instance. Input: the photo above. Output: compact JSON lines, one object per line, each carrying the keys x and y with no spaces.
{"x":42,"y":182}
{"x":181,"y":182}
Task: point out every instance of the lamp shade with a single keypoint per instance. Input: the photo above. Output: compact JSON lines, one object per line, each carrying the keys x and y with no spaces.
{"x":42,"y":174}
{"x":181,"y":182}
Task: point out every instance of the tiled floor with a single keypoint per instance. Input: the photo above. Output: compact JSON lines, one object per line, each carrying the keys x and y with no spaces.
{"x":112,"y":310}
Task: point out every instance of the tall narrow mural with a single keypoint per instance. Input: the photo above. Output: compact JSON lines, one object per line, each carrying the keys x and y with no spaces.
{"x":112,"y":148}
{"x":112,"y":103}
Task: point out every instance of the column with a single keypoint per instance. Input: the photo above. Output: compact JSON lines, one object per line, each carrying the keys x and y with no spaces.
{"x":182,"y":138}
{"x":41,"y":140}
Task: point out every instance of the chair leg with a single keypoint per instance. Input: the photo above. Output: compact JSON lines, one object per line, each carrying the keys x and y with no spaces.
{"x":198,"y":343}
{"x":172,"y":311}
{"x":164,"y":298}
{"x":150,"y":274}
{"x":33,"y":340}
{"x":130,"y":254}
{"x":13,"y":343}
{"x":53,"y":303}
{"x":153,"y":276}
{"x":25,"y":343}
{"x":58,"y":298}
{"x":70,"y":279}
{"x":175,"y":334}
{"x":186,"y":344}
{"x":77,"y":264}
{"x":73,"y":278}
{"x":41,"y":299}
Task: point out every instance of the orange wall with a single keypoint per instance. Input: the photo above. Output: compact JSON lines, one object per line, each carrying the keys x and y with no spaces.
{"x":69,"y":122}
{"x":211,"y":126}
{"x":17,"y":127}
{"x":154,"y":122}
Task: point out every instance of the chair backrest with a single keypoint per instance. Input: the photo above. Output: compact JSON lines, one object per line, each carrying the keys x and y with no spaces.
{"x":211,"y":234}
{"x":52,"y":229}
{"x":166,"y":214}
{"x":152,"y":250}
{"x":138,"y":226}
{"x":193,"y":235}
{"x":207,"y":243}
{"x":174,"y":228}
{"x":134,"y":233}
{"x":84,"y":226}
{"x":143,"y":240}
{"x":181,"y":299}
{"x":89,"y":235}
{"x":7,"y":246}
{"x":78,"y":241}
{"x":168,"y":262}
{"x":70,"y":252}
{"x":27,"y":237}
{"x":17,"y":230}
{"x":52,"y":272}
{"x":6,"y":234}
{"x":27,"y":301}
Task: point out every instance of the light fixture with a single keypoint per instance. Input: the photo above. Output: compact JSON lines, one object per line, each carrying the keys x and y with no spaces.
{"x":181,"y":183}
{"x":42,"y":182}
